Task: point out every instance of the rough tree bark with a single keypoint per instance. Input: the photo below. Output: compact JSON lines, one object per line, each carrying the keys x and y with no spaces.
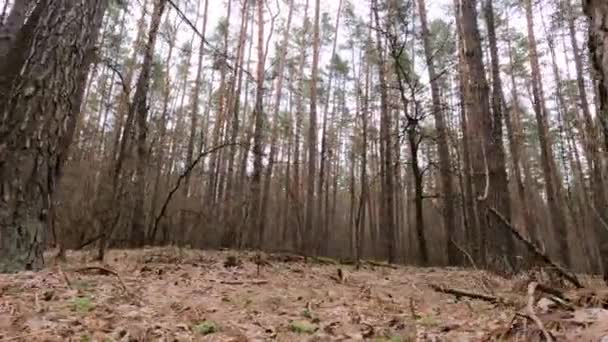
{"x":496,"y":158}
{"x":488,"y":174}
{"x":597,"y":11}
{"x":52,"y":53}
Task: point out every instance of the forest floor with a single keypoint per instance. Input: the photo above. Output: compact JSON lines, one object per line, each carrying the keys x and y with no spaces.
{"x":167,"y":294}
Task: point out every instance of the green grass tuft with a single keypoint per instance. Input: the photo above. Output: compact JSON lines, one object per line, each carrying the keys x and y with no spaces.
{"x":301,"y":327}
{"x":205,"y":327}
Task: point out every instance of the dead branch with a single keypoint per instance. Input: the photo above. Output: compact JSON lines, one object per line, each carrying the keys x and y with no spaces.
{"x":464,"y":293}
{"x":463,"y":251}
{"x":238,"y":282}
{"x":181,"y":177}
{"x":88,"y":242}
{"x":65,"y":277}
{"x":380,"y":264}
{"x":536,"y":251}
{"x":102,"y":271}
{"x":324,"y":261}
{"x":530,"y":309}
{"x":22,"y":337}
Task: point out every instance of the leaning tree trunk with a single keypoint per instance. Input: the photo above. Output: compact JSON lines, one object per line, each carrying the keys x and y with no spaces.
{"x":52,"y":52}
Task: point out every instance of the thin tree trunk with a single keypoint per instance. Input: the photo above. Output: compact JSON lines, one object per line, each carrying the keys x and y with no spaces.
{"x":258,"y":136}
{"x":442,"y":142}
{"x":275,"y":118}
{"x":312,"y":134}
{"x":552,"y":183}
{"x":386,"y":175}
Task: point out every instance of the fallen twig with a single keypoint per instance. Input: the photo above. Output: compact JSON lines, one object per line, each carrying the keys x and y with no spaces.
{"x":65,"y":277}
{"x":463,"y":251}
{"x":103,"y":271}
{"x":24,"y":336}
{"x":464,"y":293}
{"x":380,"y":264}
{"x":556,"y":296}
{"x":530,"y":309}
{"x":536,"y":251}
{"x":238,"y":282}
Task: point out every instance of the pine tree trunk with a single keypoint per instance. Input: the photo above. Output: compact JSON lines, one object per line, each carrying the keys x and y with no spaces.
{"x":195,"y":100}
{"x":275,"y":118}
{"x":597,"y":11}
{"x":442,"y":142}
{"x":53,"y":52}
{"x":312,"y":135}
{"x":139,"y":109}
{"x":488,"y":178}
{"x":497,"y":160}
{"x":258,"y":136}
{"x":386,"y":173}
{"x":552,"y":183}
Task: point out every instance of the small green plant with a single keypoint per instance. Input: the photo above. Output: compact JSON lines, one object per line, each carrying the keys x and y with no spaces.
{"x":84,"y":285}
{"x":205,"y":327}
{"x":301,"y":327}
{"x":82,"y":304}
{"x":428,"y":321}
{"x":306,"y":313}
{"x":85,"y":338}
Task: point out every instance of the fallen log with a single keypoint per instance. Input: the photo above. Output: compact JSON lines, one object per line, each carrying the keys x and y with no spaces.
{"x":536,"y":251}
